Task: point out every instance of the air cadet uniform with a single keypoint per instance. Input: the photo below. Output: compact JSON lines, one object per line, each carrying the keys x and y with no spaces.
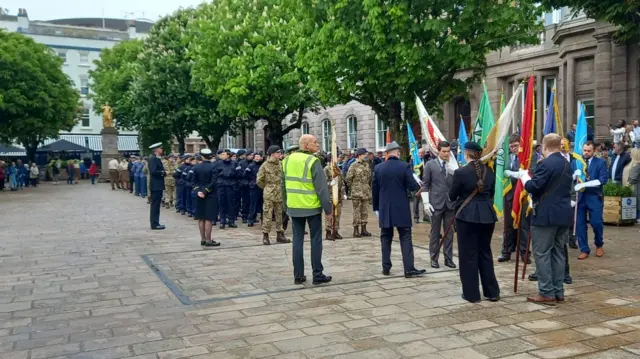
{"x":180,"y":183}
{"x":197,"y":159}
{"x":145,"y":179}
{"x":255,"y":192}
{"x":227,"y":172}
{"x":270,"y":180}
{"x":359,"y":181}
{"x":186,"y":188}
{"x":336,"y":175}
{"x":241,"y":194}
{"x":137,"y":169}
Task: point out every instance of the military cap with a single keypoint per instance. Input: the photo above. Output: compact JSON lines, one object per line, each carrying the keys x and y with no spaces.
{"x":361,"y":151}
{"x":155,"y":145}
{"x":241,"y":152}
{"x":472,"y":146}
{"x":273,"y":149}
{"x":293,"y":148}
{"x":227,"y":151}
{"x":206,"y":153}
{"x":186,"y":157}
{"x":393,"y":146}
{"x":249,"y":153}
{"x":198,"y":158}
{"x":219,"y":151}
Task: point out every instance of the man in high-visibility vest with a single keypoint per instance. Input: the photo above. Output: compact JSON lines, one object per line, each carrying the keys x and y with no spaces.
{"x":306,"y":196}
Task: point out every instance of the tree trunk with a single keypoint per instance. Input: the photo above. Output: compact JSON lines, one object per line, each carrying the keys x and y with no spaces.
{"x":213,"y":143}
{"x":31,"y":151}
{"x":398,"y":132}
{"x":181,"y":146}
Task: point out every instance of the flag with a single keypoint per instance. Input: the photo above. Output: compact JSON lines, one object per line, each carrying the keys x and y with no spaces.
{"x":334,"y":158}
{"x":413,"y":149}
{"x":581,"y":139}
{"x":556,"y":111}
{"x":501,"y":131}
{"x":503,"y":184}
{"x":526,"y":148}
{"x":462,"y":140}
{"x":431,"y":134}
{"x":485,"y":120}
{"x":552,"y":124}
{"x":388,"y":140}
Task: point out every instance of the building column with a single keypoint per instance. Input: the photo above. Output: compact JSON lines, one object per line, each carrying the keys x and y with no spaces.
{"x":560,"y":92}
{"x":570,"y":106}
{"x":619,"y":83}
{"x":603,"y":84}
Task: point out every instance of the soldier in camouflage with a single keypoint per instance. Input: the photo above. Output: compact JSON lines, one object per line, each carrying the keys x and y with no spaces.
{"x":333,"y":173}
{"x":169,"y":181}
{"x":359,"y":181}
{"x":270,"y":180}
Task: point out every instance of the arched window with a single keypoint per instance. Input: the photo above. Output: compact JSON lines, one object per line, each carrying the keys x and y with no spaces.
{"x":305,"y":128}
{"x":326,"y":135}
{"x":352,"y":132}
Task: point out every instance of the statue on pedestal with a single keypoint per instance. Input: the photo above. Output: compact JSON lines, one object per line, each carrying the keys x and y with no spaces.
{"x":107,"y":116}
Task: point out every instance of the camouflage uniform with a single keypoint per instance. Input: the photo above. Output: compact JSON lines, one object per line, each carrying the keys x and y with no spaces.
{"x":270,"y":180}
{"x":169,"y":183}
{"x":359,"y":181}
{"x":337,"y":174}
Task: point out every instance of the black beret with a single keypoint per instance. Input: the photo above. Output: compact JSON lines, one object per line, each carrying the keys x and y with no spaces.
{"x":198,"y":157}
{"x":220,"y":151}
{"x":273,"y":149}
{"x":361,"y":151}
{"x":472,"y":146}
{"x":227,"y":151}
{"x":241,"y":152}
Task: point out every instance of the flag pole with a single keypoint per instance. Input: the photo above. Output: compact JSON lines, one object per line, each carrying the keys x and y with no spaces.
{"x":515,"y":277}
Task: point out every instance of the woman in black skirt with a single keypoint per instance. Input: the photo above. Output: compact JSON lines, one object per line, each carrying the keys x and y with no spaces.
{"x":472,"y":190}
{"x":206,"y":202}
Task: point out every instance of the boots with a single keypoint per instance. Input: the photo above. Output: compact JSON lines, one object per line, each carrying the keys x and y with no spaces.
{"x":337,"y":235}
{"x":364,"y":232}
{"x":328,"y":236}
{"x":356,"y":232}
{"x":280,"y":238}
{"x":265,"y":239}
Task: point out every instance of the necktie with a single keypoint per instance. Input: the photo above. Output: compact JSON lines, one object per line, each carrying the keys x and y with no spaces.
{"x":443,"y":170}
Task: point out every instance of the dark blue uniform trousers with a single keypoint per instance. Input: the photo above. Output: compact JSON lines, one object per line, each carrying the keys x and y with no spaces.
{"x":406,"y":246}
{"x":225,"y":204}
{"x":193,"y":202}
{"x":589,"y":202}
{"x":186,"y":194}
{"x":255,"y":195}
{"x":180,"y":195}
{"x":245,"y":196}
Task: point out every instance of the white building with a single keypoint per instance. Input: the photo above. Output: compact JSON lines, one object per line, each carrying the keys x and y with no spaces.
{"x":79,"y":41}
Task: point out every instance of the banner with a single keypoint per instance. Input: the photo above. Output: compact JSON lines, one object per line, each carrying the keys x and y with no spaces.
{"x":431,"y":134}
{"x":485,"y":119}
{"x":501,"y":131}
{"x":462,"y":140}
{"x":503,"y":183}
{"x":334,"y":158}
{"x":552,"y":124}
{"x":581,"y":139}
{"x":413,"y":149}
{"x":526,"y":148}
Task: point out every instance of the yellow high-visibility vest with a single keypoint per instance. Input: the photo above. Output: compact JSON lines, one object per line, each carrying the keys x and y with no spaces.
{"x":298,"y":182}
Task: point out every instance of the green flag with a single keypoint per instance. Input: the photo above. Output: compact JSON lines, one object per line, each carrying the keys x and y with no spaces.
{"x":503,"y":184}
{"x":484,"y":121}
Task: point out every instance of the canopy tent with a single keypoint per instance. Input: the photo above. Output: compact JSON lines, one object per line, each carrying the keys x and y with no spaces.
{"x":11,"y":151}
{"x":63,"y":146}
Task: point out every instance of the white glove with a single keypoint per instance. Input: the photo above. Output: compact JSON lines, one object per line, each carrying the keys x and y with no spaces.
{"x":238,"y":168}
{"x":344,"y":197}
{"x":511,"y":174}
{"x":450,"y":171}
{"x":580,"y":186}
{"x":332,"y":183}
{"x":524,"y":176}
{"x":428,"y":208}
{"x":577,"y":174}
{"x":573,"y":204}
{"x":248,"y":170}
{"x":530,"y":200}
{"x":377,"y":214}
{"x":415,"y":176}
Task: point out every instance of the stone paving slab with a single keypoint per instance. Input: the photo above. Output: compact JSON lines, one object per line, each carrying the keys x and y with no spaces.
{"x":81,"y":276}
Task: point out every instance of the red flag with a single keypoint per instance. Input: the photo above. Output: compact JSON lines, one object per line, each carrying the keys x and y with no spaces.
{"x":526,"y":148}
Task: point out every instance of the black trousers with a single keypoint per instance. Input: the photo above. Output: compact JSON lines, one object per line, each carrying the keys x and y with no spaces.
{"x":255,"y":195}
{"x":131,"y":182}
{"x":156,"y":198}
{"x":509,"y":236}
{"x":245,"y":197}
{"x":315,"y":231}
{"x":406,"y":246}
{"x":225,"y":205}
{"x":474,"y":249}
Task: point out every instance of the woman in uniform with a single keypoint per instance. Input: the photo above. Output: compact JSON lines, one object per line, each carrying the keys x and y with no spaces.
{"x":206,"y":202}
{"x":472,"y":191}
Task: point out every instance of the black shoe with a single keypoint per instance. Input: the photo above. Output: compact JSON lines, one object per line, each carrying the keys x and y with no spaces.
{"x":244,"y":220}
{"x":300,"y":280}
{"x":251,"y":224}
{"x":177,"y":210}
{"x":158,"y":228}
{"x":212,"y":244}
{"x":528,"y":260}
{"x":504,"y":258}
{"x":493,"y":299}
{"x":202,"y":243}
{"x":573,"y":245}
{"x":215,"y":223}
{"x":385,"y":272}
{"x":222,"y":226}
{"x":233,"y":225}
{"x":189,"y":215}
{"x":183,"y":213}
{"x":568,"y":280}
{"x":414,"y":273}
{"x":426,"y":220}
{"x":470,"y":301}
{"x":533,"y":277}
{"x":449,"y":263}
{"x":416,"y":220}
{"x":435,"y":264}
{"x":321,"y":279}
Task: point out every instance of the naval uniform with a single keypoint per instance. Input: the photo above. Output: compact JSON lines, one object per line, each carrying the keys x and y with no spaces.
{"x":156,"y":187}
{"x":204,"y":181}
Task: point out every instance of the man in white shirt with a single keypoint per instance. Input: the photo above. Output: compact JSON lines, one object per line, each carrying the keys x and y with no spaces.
{"x":636,"y":131}
{"x":618,"y":131}
{"x":113,"y":174}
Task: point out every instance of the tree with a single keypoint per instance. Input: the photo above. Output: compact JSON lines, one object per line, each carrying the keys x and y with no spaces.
{"x":244,"y":55}
{"x":38,"y":99}
{"x":383,"y":53}
{"x":625,"y":14}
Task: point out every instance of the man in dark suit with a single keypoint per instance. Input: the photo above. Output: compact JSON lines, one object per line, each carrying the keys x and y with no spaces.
{"x":509,"y":235}
{"x":551,"y":216}
{"x":156,"y":184}
{"x":392,"y":180}
{"x":619,"y":162}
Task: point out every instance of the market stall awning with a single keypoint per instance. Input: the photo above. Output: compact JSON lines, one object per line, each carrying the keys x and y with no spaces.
{"x":94,"y":142}
{"x":63,"y":146}
{"x":11,"y":151}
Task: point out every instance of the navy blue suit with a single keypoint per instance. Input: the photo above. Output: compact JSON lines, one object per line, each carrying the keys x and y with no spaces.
{"x":392,"y":182}
{"x":623,"y":161}
{"x":552,"y":204}
{"x":591,"y":200}
{"x":156,"y":186}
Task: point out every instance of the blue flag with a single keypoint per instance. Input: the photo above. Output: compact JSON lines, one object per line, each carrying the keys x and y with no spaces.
{"x":581,"y":139}
{"x":462,"y":140}
{"x":550,"y":122}
{"x":413,"y":149}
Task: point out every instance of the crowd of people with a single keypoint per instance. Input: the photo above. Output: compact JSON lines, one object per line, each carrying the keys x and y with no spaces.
{"x":16,"y":176}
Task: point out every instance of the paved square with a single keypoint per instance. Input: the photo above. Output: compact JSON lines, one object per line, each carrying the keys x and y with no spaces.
{"x":82,"y":276}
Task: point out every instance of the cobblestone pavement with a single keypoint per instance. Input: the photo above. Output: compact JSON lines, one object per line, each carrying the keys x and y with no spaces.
{"x":82,"y":276}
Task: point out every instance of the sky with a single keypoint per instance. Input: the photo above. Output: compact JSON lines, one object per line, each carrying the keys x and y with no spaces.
{"x":123,"y":9}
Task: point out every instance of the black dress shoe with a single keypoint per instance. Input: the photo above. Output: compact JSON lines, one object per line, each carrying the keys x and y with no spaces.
{"x":470,"y":301}
{"x":504,"y":258}
{"x":177,"y":211}
{"x":183,"y":213}
{"x":435,"y":264}
{"x":158,"y":228}
{"x":222,"y":226}
{"x":321,"y":279}
{"x":533,"y":277}
{"x":202,"y":243}
{"x":244,"y":220}
{"x":250,"y":224}
{"x":233,"y":225}
{"x":300,"y":280}
{"x":493,"y":299}
{"x":212,"y":244}
{"x":189,"y":215}
{"x":449,"y":263}
{"x":385,"y":272}
{"x":568,"y":280}
{"x":573,"y":245}
{"x":414,"y":273}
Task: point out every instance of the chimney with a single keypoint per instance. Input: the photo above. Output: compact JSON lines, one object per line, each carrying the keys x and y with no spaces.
{"x":23,"y":20}
{"x":132,"y":29}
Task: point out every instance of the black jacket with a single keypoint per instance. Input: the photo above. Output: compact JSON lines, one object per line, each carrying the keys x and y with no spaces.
{"x":252,"y":175}
{"x":157,"y":173}
{"x":243,"y":179}
{"x":550,"y":189}
{"x":226,"y":173}
{"x":624,"y":160}
{"x":480,"y":208}
{"x":187,"y":176}
{"x":203,"y":178}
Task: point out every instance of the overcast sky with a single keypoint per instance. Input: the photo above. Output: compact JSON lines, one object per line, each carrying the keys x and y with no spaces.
{"x":48,"y":9}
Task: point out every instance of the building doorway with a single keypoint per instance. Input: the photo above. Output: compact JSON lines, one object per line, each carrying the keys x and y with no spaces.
{"x":462,"y":109}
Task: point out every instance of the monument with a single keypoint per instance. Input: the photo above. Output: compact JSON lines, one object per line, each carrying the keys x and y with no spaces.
{"x":109,"y":142}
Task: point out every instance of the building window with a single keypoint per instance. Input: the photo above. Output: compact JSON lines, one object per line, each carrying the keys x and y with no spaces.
{"x":84,"y":87}
{"x":326,"y":135}
{"x":352,"y":132}
{"x":285,"y":142}
{"x":86,"y":117}
{"x":589,"y":112}
{"x":381,"y":134}
{"x":63,"y":56}
{"x":305,"y":128}
{"x":190,"y":148}
{"x":231,"y":140}
{"x":84,"y":57}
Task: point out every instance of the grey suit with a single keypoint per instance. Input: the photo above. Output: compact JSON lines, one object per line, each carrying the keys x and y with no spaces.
{"x":438,"y":183}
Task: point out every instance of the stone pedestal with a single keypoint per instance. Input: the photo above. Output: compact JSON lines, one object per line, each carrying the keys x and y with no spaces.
{"x":109,"y":151}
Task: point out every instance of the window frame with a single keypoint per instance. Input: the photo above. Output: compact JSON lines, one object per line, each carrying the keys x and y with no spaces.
{"x":85,"y":56}
{"x":304,"y":128}
{"x":86,"y":115}
{"x":351,"y":132}
{"x":62,"y":55}
{"x":380,"y":141}
{"x":326,"y":135}
{"x":84,"y":90}
{"x":591,"y":120}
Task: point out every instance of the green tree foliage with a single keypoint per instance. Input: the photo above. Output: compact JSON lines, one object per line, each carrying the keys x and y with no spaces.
{"x":244,"y":54}
{"x":37,"y":99}
{"x":624,"y":13}
{"x":383,"y":53}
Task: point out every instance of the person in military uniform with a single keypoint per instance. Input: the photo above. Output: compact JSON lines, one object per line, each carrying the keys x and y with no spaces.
{"x":359,"y":181}
{"x":177,"y":174}
{"x":156,"y":174}
{"x":227,"y":172}
{"x":186,"y":188}
{"x":270,"y":180}
{"x":197,"y":159}
{"x":206,"y":201}
{"x":169,"y":182}
{"x":334,"y":176}
{"x":255,"y":192}
{"x":241,"y":194}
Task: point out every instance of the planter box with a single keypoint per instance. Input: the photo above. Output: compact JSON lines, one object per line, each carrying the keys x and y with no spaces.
{"x":619,"y":210}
